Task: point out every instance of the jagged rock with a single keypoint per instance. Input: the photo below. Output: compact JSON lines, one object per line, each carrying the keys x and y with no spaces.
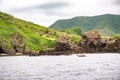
{"x":18,"y":43}
{"x":63,"y":43}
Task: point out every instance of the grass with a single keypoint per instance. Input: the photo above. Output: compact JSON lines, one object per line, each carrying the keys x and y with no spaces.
{"x":33,"y":34}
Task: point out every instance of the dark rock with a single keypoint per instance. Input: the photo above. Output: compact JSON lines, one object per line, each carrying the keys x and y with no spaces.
{"x":81,"y":55}
{"x":1,"y":49}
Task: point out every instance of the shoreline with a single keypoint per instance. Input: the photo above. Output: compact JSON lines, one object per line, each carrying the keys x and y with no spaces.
{"x":77,"y":54}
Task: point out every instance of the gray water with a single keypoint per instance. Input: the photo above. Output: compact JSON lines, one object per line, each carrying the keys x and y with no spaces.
{"x":91,"y":67}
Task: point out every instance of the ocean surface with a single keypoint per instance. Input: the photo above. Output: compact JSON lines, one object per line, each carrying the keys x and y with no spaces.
{"x":92,"y":67}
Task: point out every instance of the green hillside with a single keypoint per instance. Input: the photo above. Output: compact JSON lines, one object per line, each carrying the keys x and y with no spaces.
{"x":73,"y":31}
{"x":108,"y":25}
{"x":36,"y":37}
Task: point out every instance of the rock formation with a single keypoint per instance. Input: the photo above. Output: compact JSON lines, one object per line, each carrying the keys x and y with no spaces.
{"x":91,"y":42}
{"x":63,"y":43}
{"x":18,"y":43}
{"x":117,"y":45}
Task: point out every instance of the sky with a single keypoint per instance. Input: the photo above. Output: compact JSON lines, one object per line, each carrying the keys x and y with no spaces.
{"x":46,"y":12}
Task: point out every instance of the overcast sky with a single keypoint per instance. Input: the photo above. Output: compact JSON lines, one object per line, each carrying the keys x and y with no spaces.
{"x":46,"y":12}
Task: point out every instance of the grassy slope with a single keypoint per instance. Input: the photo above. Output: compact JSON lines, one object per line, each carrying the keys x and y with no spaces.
{"x":33,"y":34}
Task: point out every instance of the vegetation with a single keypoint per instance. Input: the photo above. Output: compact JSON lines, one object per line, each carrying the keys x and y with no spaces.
{"x":32,"y":34}
{"x":36,"y":37}
{"x":107,"y":25}
{"x":117,"y":36}
{"x":74,"y":31}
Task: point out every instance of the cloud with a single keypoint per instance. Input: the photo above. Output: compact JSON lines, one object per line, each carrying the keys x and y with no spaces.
{"x":0,"y":1}
{"x":54,"y":5}
{"x":49,"y":9}
{"x":118,"y":2}
{"x":45,"y":12}
{"x":40,"y":7}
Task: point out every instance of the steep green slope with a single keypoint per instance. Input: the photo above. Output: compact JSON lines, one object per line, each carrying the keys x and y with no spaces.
{"x":32,"y":34}
{"x":103,"y":23}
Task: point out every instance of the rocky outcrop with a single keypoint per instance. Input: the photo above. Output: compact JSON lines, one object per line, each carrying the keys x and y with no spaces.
{"x":117,"y":45}
{"x":64,"y":46}
{"x":63,"y":43}
{"x":91,"y":42}
{"x":18,"y":43}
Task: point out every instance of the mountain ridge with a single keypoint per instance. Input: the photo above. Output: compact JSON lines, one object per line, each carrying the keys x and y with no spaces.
{"x":86,"y":23}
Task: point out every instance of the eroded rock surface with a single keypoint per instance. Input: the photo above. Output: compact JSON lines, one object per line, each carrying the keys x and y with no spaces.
{"x":63,"y":43}
{"x":91,"y":42}
{"x":18,"y":43}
